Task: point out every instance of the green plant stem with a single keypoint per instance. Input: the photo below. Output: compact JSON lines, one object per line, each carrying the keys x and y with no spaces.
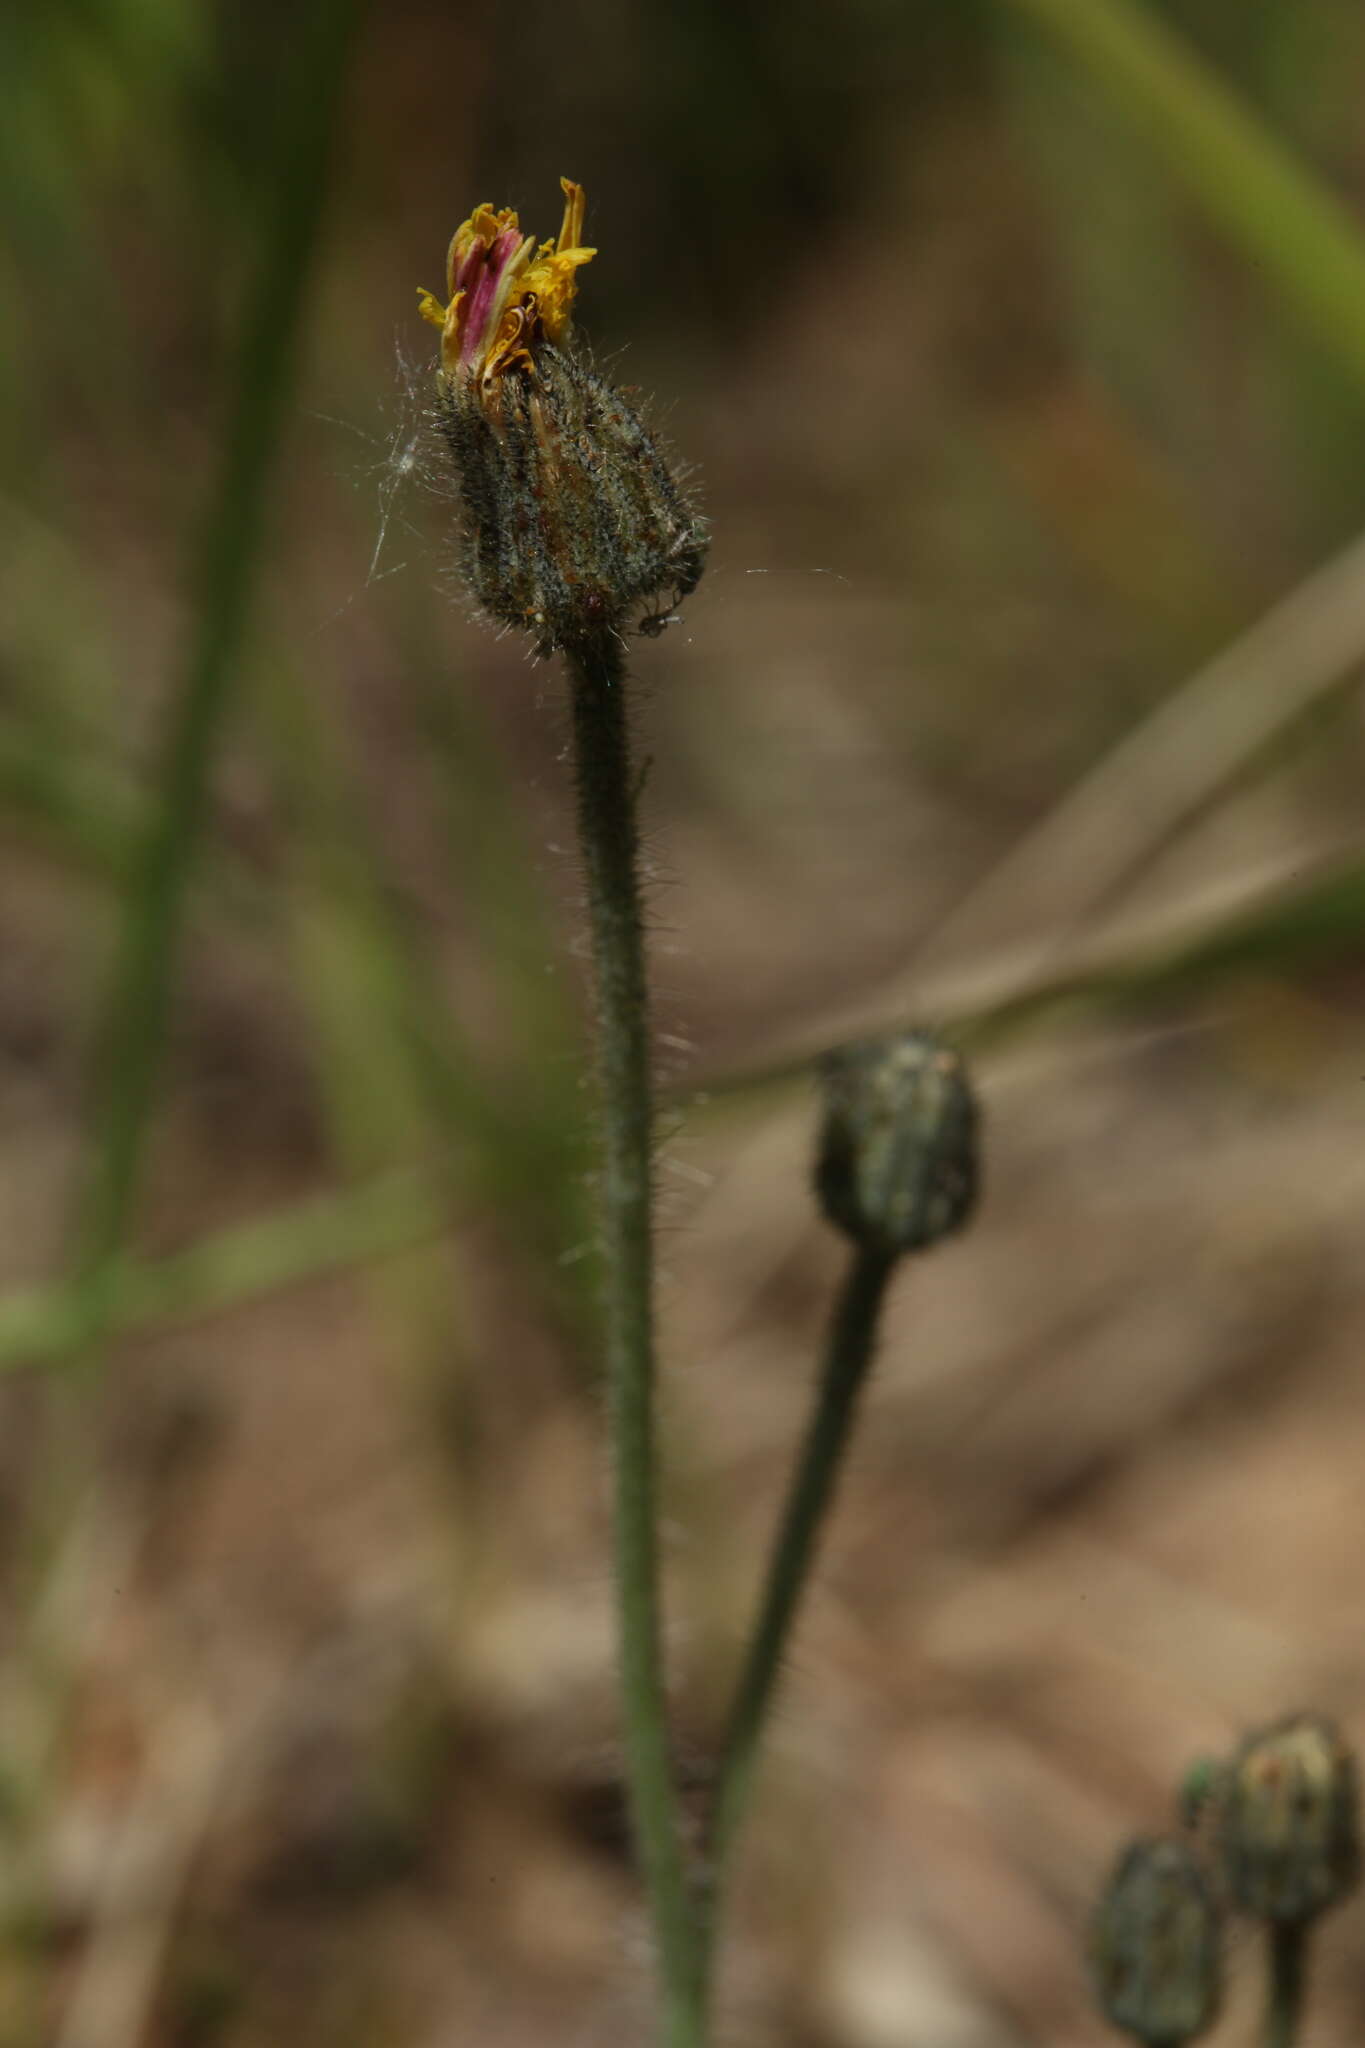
{"x":848,"y":1355}
{"x":608,"y":834}
{"x":134,"y":1027}
{"x":1294,"y":230}
{"x":1287,"y":1957}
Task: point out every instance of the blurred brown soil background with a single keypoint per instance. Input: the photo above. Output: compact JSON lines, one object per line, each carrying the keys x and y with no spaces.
{"x":307,"y":1724}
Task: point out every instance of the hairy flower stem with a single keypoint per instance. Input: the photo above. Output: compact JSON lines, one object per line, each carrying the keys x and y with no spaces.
{"x":607,"y":830}
{"x":848,"y":1355}
{"x":1287,"y":1955}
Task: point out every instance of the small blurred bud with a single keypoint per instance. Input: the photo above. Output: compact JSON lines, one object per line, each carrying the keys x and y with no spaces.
{"x":572,"y":517}
{"x":897,"y":1166}
{"x":1288,"y":1821}
{"x":1154,"y":1946}
{"x":1198,"y":1793}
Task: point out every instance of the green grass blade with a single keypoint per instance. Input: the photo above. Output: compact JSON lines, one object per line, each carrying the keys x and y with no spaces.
{"x":1279,"y":930}
{"x":230,"y":1269}
{"x":1295,"y":232}
{"x":135,"y":1024}
{"x":352,"y":968}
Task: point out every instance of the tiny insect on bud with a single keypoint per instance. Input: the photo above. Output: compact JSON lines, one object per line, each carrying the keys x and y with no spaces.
{"x":1155,"y":1958}
{"x":572,"y":519}
{"x":1288,"y":1834}
{"x":897,"y":1164}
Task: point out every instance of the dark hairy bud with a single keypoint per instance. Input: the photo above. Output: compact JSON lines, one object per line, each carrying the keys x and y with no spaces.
{"x":1288,"y":1822}
{"x":572,"y":522}
{"x":1155,"y":1958}
{"x":897,"y":1165}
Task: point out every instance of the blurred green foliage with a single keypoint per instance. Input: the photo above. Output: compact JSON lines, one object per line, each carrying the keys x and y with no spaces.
{"x":1046,"y":317}
{"x":1189,"y":168}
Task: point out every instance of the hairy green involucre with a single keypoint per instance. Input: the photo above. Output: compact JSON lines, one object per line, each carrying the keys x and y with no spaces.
{"x":572,"y":520}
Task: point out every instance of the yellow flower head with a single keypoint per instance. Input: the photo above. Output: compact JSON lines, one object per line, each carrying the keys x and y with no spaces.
{"x":506,"y":295}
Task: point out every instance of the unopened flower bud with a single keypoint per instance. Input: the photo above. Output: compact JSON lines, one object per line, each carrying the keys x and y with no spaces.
{"x":897,"y":1166}
{"x":1198,"y":1792}
{"x":1155,"y":1959}
{"x":572,"y":519}
{"x":1288,"y":1821}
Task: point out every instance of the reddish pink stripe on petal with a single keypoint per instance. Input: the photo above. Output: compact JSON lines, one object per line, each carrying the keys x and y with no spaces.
{"x":470,"y":264}
{"x":485,"y":292}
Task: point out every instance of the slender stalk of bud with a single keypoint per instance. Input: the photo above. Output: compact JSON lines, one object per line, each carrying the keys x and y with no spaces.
{"x":896,"y":1171}
{"x":848,"y":1356}
{"x":607,"y":828}
{"x":1287,"y":1957}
